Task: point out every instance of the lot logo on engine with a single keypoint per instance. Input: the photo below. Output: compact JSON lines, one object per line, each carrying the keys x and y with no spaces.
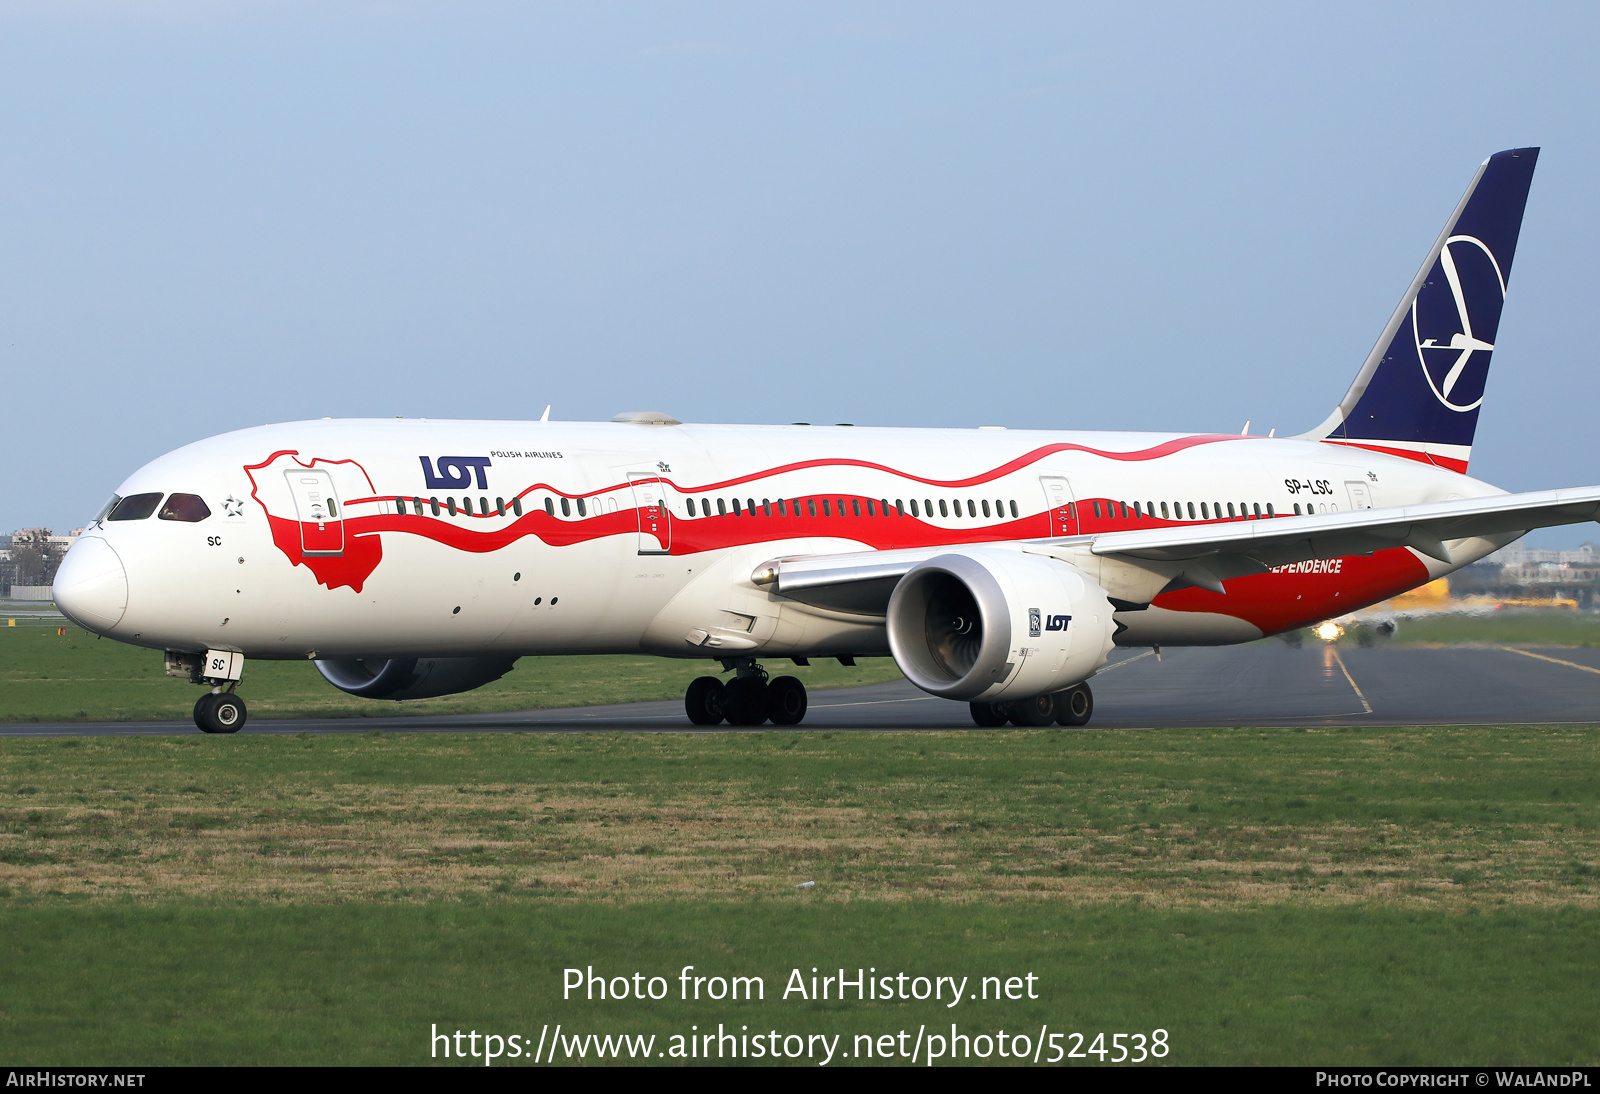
{"x":1033,"y":622}
{"x":455,"y":472}
{"x":1058,"y":622}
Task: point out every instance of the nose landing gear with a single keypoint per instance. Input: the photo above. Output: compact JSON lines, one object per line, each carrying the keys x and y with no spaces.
{"x":220,"y":712}
{"x":749,"y":699}
{"x":217,"y":711}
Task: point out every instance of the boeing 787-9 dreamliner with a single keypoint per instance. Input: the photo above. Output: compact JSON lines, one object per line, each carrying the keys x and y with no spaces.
{"x":410,"y":558}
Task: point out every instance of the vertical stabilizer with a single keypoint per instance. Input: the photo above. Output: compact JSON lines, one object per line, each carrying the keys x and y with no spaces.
{"x":1419,"y":391}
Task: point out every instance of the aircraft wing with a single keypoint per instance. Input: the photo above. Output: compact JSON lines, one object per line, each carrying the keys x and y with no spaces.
{"x":1205,"y":554}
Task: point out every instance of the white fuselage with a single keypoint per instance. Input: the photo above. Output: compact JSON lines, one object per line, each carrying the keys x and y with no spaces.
{"x":631,"y":536}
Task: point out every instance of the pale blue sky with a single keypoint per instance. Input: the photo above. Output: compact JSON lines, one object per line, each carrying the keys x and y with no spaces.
{"x":1171,"y":216}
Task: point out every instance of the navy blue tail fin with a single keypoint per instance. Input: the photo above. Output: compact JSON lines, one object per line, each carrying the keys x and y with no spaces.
{"x":1419,"y":391}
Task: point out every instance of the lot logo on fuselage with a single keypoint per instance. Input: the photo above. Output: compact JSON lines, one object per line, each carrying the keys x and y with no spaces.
{"x":455,"y":472}
{"x":1442,"y":316}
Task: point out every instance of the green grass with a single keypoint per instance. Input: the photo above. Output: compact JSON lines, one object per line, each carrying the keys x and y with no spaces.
{"x":1504,"y":628}
{"x":1387,"y":896}
{"x":78,"y":677}
{"x":356,"y":984}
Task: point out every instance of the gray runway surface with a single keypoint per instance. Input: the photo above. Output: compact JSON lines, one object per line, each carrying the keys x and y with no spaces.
{"x":1264,"y":684}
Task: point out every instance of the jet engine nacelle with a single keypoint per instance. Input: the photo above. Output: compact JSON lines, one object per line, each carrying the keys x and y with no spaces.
{"x":412,"y":677}
{"x":987,"y":624}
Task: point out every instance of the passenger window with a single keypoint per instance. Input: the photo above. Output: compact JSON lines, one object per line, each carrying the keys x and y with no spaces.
{"x":581,"y":511}
{"x":1269,"y":510}
{"x":1205,"y":514}
{"x":1258,"y":510}
{"x":1191,"y":510}
{"x":516,"y":506}
{"x":855,"y":507}
{"x":870,"y":512}
{"x":885,"y":503}
{"x":566,"y":507}
{"x":1096,"y":510}
{"x":985,"y":506}
{"x":811,"y":506}
{"x":190,"y":508}
{"x":434,"y":503}
{"x":914,"y":508}
{"x":550,"y":506}
{"x":1297,"y":509}
{"x":483,"y":507}
{"x":927,"y":507}
{"x":688,"y":506}
{"x":466,"y":506}
{"x":705,"y":506}
{"x":750,"y":506}
{"x":450,"y":504}
{"x":722,"y":508}
{"x":1163,"y":510}
{"x":780,"y":507}
{"x":1136,"y":511}
{"x":899,"y":508}
{"x":1230,"y":510}
{"x":766,"y":507}
{"x":943,"y":512}
{"x":1013,"y":509}
{"x":1072,"y":511}
{"x":827,"y":508}
{"x":736,"y":510}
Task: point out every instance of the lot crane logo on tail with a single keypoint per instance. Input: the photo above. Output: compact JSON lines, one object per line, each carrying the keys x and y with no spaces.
{"x":1442,"y":326}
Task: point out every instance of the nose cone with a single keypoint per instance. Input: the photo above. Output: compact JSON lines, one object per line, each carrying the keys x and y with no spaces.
{"x":91,"y":587}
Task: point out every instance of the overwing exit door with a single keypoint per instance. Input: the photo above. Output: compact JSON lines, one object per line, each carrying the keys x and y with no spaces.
{"x":1360,"y":498}
{"x":317,"y":506}
{"x":1058,"y":497}
{"x":655,"y":523}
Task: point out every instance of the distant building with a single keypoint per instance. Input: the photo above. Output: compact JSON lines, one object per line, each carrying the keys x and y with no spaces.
{"x":1518,"y":571}
{"x":31,"y":558}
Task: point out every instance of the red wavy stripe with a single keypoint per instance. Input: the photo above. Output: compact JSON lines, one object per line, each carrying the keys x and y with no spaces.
{"x":1432,"y":459}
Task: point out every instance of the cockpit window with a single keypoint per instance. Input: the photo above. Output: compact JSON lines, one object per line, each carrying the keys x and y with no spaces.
{"x":185,"y":507}
{"x":105,"y":509}
{"x":135,"y":507}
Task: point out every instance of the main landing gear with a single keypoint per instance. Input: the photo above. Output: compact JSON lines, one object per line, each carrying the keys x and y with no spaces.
{"x":749,"y":699}
{"x":1073,"y":707}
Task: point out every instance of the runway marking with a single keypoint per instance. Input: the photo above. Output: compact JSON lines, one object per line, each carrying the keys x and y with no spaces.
{"x":1553,"y":660}
{"x":1350,"y":678}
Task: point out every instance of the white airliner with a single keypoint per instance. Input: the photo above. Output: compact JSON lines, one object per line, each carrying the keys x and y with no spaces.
{"x":411,"y":558}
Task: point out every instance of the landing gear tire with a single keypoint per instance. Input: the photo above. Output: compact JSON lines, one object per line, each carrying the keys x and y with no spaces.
{"x":703,"y":701}
{"x":1075,"y":706}
{"x":989,"y":715}
{"x":220,"y":713}
{"x":1040,"y":710}
{"x":744,"y":701}
{"x":786,"y":701}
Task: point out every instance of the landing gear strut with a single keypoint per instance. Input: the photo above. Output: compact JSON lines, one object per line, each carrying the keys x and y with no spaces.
{"x":749,"y":699}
